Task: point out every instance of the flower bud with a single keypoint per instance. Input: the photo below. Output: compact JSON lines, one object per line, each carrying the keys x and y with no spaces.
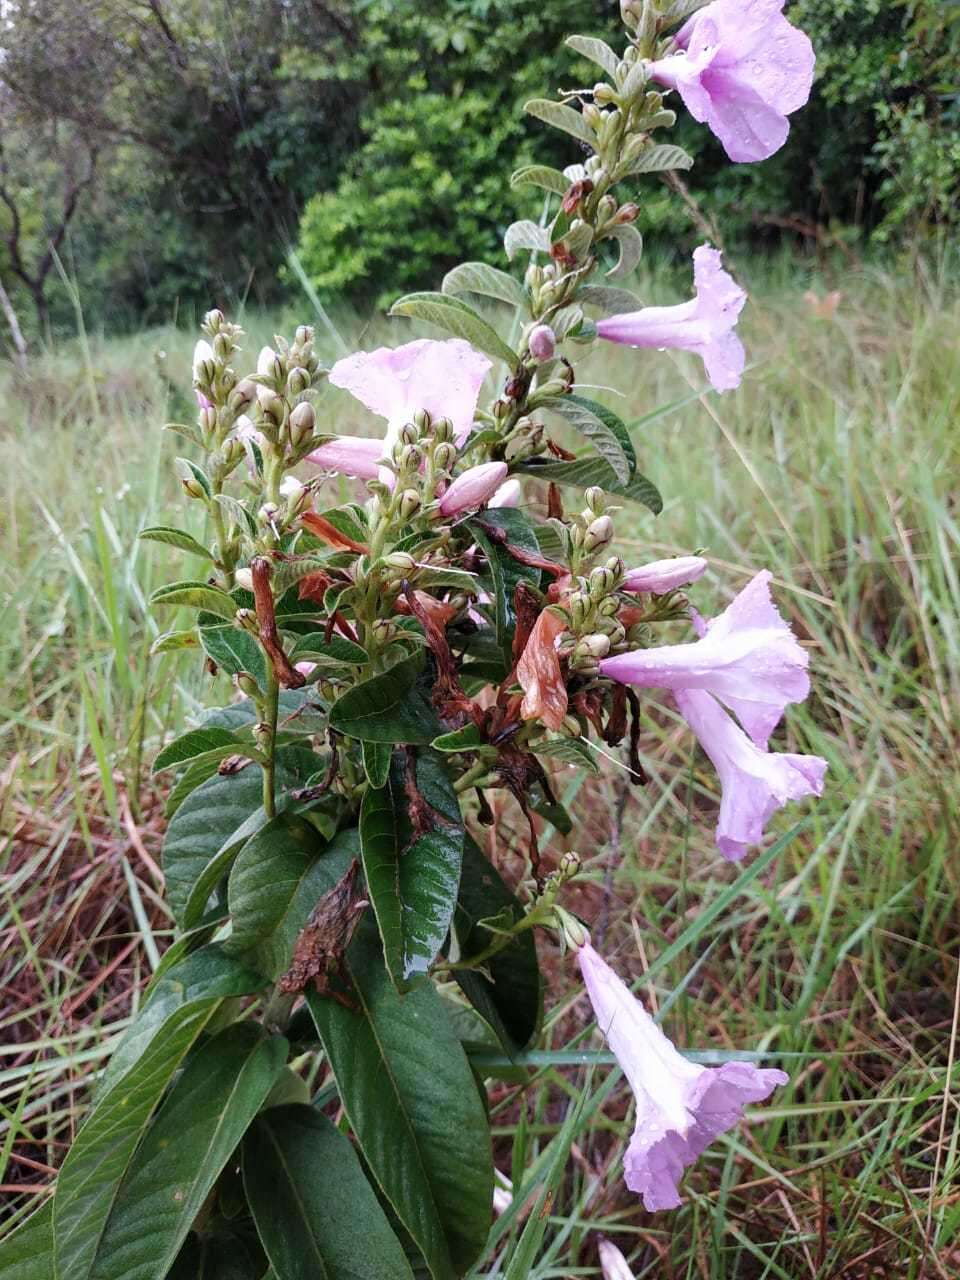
{"x":246,"y":619}
{"x":271,"y":404}
{"x":222,"y":346}
{"x":473,"y":488}
{"x":592,"y":646}
{"x":267,"y":514}
{"x":242,"y":394}
{"x":444,"y":456}
{"x":303,"y":421}
{"x":613,"y":1265}
{"x":244,"y":578}
{"x":501,"y":409}
{"x":631,"y":11}
{"x":383,"y":632}
{"x":304,"y":335}
{"x":263,"y":736}
{"x":662,"y":576}
{"x":193,"y":488}
{"x":409,"y":457}
{"x":409,"y":504}
{"x":245,"y":682}
{"x":408,"y":434}
{"x":266,"y":361}
{"x":603,"y":94}
{"x":596,"y":500}
{"x":609,"y":608}
{"x":571,"y":727}
{"x":627,"y":213}
{"x":574,"y":933}
{"x":570,"y":865}
{"x":598,"y":534}
{"x":443,"y":430}
{"x":542,"y":342}
{"x":602,"y":581}
{"x":213,"y":320}
{"x":204,"y":368}
{"x":555,"y":387}
{"x":422,"y":419}
{"x":298,"y":380}
{"x":207,"y":419}
{"x":232,"y":452}
{"x":401,"y":560}
{"x":593,"y":116}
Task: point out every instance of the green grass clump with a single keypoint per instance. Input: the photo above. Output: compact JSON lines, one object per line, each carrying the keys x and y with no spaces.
{"x":835,"y":466}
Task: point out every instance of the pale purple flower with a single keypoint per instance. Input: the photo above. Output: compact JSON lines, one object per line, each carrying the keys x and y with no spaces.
{"x":748,"y":657}
{"x":509,"y":494}
{"x":202,"y":354}
{"x":473,"y":488}
{"x":202,"y":401}
{"x":613,"y":1265}
{"x":754,"y":783}
{"x":352,"y":455}
{"x":542,"y":342}
{"x":444,"y":378}
{"x":704,"y":325}
{"x":245,"y":431}
{"x":661,"y":576}
{"x":265,"y":361}
{"x":681,"y":1107}
{"x":742,"y":71}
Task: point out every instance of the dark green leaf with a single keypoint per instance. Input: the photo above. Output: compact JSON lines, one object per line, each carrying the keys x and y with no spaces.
{"x":195,"y":743}
{"x":231,"y":648}
{"x":505,"y":571}
{"x":278,"y":878}
{"x":411,"y":1099}
{"x":466,"y":739}
{"x":376,"y":762}
{"x":540,"y":175}
{"x":655,"y":160}
{"x":335,"y":651}
{"x":570,"y":751}
{"x":455,"y":317}
{"x":412,"y":878}
{"x":27,"y":1254}
{"x":489,"y":282}
{"x":197,"y":595}
{"x":175,"y":538}
{"x":601,"y":426}
{"x":510,"y":999}
{"x":391,"y":707}
{"x":562,"y":117}
{"x":209,"y":1109}
{"x":238,"y":513}
{"x":589,"y":471}
{"x":317,"y":1216}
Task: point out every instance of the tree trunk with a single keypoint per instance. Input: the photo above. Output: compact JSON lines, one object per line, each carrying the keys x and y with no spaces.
{"x":16,"y":333}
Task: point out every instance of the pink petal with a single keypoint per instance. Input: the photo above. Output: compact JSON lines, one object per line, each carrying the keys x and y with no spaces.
{"x":444,"y":378}
{"x":352,"y":455}
{"x":471,"y":489}
{"x":661,"y":576}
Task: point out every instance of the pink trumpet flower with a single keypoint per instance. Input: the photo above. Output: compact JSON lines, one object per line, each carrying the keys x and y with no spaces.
{"x":613,"y":1265}
{"x":661,"y":576}
{"x":681,"y":1107}
{"x":742,"y":70}
{"x":473,"y":488}
{"x":508,"y":495}
{"x":352,"y":455}
{"x":704,"y":325}
{"x":747,"y":657}
{"x":755,"y":783}
{"x":444,"y":378}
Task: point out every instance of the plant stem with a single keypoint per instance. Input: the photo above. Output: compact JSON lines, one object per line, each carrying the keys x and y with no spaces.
{"x":271,"y":706}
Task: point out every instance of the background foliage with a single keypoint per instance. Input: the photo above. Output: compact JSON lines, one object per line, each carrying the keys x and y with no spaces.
{"x":222,"y":134}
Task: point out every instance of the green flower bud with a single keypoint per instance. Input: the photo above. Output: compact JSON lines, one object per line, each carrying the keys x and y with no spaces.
{"x":409,"y":504}
{"x":263,"y":736}
{"x":616,"y":565}
{"x":245,"y":682}
{"x":443,"y":430}
{"x":603,"y":94}
{"x":573,"y":933}
{"x":422,"y":419}
{"x":246,"y":620}
{"x":409,"y":433}
{"x":303,"y":421}
{"x":409,"y":458}
{"x":270,"y":404}
{"x":222,"y":346}
{"x":593,"y":116}
{"x":501,"y":409}
{"x":242,"y":394}
{"x":298,"y":380}
{"x":609,"y":608}
{"x":570,"y":865}
{"x":571,"y":727}
{"x":213,"y":320}
{"x":596,"y":500}
{"x":304,"y":335}
{"x":596,"y":645}
{"x":444,"y":456}
{"x":401,"y":560}
{"x":193,"y":488}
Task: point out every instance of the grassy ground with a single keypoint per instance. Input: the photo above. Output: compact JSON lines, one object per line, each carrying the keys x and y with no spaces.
{"x":832,"y":466}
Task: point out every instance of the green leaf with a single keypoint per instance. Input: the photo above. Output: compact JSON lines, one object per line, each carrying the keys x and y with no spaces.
{"x":412,"y":879}
{"x":540,"y":175}
{"x":457,"y":318}
{"x":336,"y":651}
{"x":198,"y":595}
{"x":597,"y":51}
{"x":562,"y":117}
{"x":466,"y":739}
{"x":376,"y":762}
{"x":505,"y":572}
{"x":631,"y":250}
{"x":508,"y":995}
{"x":211,"y":826}
{"x":188,"y":433}
{"x":209,"y":1109}
{"x":317,"y":1215}
{"x":656,"y":159}
{"x":608,"y":299}
{"x":238,"y":513}
{"x":601,"y":426}
{"x":391,"y":707}
{"x":412,"y":1101}
{"x":525,"y":235}
{"x":231,"y":648}
{"x":589,"y":471}
{"x":569,"y":751}
{"x":27,"y":1254}
{"x":489,"y":282}
{"x":171,"y":641}
{"x":175,"y":538}
{"x":278,"y":878}
{"x":195,"y":743}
